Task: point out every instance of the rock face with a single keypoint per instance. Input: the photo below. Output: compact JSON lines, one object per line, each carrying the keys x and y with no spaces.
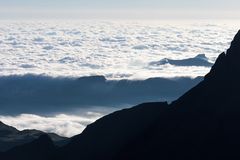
{"x":202,"y":124}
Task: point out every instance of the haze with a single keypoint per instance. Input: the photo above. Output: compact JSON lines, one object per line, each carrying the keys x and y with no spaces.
{"x":140,"y":9}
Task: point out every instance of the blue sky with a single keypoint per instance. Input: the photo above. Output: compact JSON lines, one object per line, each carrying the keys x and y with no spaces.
{"x":203,"y":8}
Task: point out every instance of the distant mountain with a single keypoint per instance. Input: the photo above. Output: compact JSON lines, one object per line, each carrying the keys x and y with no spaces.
{"x":202,"y":124}
{"x":199,"y":60}
{"x":11,"y":137}
{"x":41,"y":94}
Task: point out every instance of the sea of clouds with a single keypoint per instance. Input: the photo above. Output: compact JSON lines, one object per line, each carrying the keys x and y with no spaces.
{"x":114,"y":49}
{"x":62,"y":124}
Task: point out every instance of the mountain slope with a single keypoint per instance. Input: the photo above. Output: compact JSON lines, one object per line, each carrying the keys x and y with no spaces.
{"x":109,"y":135}
{"x":40,"y":149}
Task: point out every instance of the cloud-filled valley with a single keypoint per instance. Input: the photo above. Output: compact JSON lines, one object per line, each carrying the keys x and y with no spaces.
{"x":61,"y":124}
{"x":66,"y":105}
{"x":49,"y":70}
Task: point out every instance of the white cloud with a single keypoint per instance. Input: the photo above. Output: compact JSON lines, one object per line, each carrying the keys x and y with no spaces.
{"x":62,"y":124}
{"x":110,"y":48}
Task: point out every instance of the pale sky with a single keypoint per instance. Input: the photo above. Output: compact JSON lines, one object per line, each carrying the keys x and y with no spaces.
{"x":120,"y":8}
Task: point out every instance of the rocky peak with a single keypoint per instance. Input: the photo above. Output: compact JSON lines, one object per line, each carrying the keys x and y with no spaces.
{"x":227,"y":64}
{"x":235,"y":45}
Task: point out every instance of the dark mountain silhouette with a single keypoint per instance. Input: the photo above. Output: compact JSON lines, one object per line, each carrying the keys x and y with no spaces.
{"x":10,"y":137}
{"x":202,"y":124}
{"x":105,"y":138}
{"x":42,"y":148}
{"x":199,"y":60}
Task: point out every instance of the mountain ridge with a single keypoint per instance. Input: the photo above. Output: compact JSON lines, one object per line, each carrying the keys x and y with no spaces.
{"x":10,"y":137}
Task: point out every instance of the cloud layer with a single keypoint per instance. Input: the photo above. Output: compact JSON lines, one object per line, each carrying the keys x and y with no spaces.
{"x":114,"y":49}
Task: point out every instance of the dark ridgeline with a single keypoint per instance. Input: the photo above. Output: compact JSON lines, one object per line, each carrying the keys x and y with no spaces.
{"x":11,"y":137}
{"x":202,"y":124}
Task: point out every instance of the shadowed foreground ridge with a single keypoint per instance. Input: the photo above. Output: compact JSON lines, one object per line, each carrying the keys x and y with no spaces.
{"x":10,"y":137}
{"x":202,"y":124}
